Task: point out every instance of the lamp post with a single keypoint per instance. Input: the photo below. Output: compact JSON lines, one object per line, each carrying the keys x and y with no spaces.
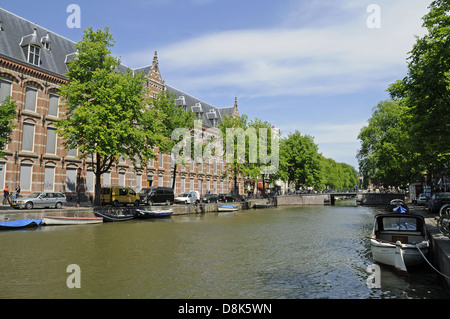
{"x":78,"y":186}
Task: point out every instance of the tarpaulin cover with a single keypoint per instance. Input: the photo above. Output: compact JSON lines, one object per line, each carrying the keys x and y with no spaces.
{"x":20,"y":223}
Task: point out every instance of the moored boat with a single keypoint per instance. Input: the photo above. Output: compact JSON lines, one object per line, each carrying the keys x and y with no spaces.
{"x":114,"y":214}
{"x":228,"y":208}
{"x":147,"y":214}
{"x":63,"y":220}
{"x":19,"y":224}
{"x":397,"y":205}
{"x":262,"y":205}
{"x":399,"y":240}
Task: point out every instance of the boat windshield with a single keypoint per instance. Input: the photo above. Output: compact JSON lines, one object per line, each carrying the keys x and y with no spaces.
{"x":400,"y":223}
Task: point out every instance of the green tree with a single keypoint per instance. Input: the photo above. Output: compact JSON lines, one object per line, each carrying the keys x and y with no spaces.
{"x":251,"y":148}
{"x":7,"y":114}
{"x":338,"y":176}
{"x":386,"y":157}
{"x":171,"y":117}
{"x":300,"y":161}
{"x":106,"y":116}
{"x":426,"y":89}
{"x":236,"y":152}
{"x":266,"y":155}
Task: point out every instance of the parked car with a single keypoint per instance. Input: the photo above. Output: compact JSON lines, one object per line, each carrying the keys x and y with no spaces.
{"x":116,"y":195}
{"x":40,"y":200}
{"x":437,"y":200}
{"x":190,"y":197}
{"x":422,"y":199}
{"x":210,"y":198}
{"x":226,"y":198}
{"x":156,"y":194}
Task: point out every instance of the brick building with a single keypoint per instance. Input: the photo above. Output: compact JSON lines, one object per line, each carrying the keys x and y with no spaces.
{"x":33,"y":63}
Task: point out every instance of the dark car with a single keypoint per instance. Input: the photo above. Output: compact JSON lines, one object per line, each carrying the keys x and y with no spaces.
{"x":210,"y":198}
{"x":226,"y":198}
{"x":437,"y":200}
{"x":155,"y":194}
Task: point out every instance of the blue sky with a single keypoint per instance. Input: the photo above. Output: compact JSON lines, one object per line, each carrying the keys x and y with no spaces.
{"x":309,"y":65}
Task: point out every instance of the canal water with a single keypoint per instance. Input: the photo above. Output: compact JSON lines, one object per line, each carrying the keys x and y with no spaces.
{"x":301,"y":252}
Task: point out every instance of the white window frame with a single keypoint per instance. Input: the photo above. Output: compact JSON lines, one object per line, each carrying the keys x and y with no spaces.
{"x":49,"y":178}
{"x":51,"y":106}
{"x":27,"y":124}
{"x":51,"y":149}
{"x":26,"y":181}
{"x":7,"y":93}
{"x":34,"y":103}
{"x":34,"y":53}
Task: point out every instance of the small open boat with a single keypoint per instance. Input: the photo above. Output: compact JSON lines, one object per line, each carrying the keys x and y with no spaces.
{"x":228,"y":208}
{"x":399,"y":240}
{"x":21,"y":223}
{"x":146,"y":214}
{"x":114,"y":214}
{"x":63,"y":220}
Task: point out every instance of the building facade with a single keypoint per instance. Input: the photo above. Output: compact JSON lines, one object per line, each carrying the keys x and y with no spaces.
{"x":33,"y":63}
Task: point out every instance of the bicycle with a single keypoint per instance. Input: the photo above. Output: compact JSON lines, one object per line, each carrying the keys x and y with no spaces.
{"x":443,"y":222}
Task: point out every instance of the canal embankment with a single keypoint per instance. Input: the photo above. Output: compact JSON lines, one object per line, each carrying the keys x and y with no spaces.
{"x":440,"y":244}
{"x":87,"y":210}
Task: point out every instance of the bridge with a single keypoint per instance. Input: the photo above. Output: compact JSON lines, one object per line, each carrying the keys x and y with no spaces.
{"x":338,"y":194}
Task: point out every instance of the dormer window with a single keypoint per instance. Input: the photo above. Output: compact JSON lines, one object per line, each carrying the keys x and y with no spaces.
{"x":212,"y":116}
{"x":46,"y":42}
{"x":32,"y":48}
{"x":197,"y":108}
{"x":181,"y":101}
{"x":33,"y":54}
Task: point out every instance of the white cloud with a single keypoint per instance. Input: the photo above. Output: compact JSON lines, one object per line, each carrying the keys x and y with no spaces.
{"x":326,"y":132}
{"x":336,"y":54}
{"x":344,"y":56}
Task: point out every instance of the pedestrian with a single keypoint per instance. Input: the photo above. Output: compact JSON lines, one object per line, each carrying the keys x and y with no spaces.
{"x":6,"y":196}
{"x":17,"y":193}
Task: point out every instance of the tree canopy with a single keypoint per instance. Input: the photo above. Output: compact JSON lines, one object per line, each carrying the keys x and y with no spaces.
{"x":107,"y":113}
{"x":425,"y":91}
{"x":7,"y":114}
{"x":409,"y":135}
{"x":386,"y":157}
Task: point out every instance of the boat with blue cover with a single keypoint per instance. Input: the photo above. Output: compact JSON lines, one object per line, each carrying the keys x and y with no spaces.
{"x":19,"y":224}
{"x":228,"y":208}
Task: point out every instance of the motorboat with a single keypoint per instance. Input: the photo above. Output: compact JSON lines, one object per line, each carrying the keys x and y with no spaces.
{"x":65,"y":220}
{"x":397,"y":205}
{"x":399,"y":240}
{"x":228,"y":208}
{"x":147,"y":214}
{"x":114,"y":214}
